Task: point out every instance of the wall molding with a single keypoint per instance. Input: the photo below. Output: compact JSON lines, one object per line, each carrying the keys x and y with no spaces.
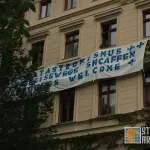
{"x":108,"y":13}
{"x":71,"y":24}
{"x":124,"y":2}
{"x":38,"y":34}
{"x":140,"y":3}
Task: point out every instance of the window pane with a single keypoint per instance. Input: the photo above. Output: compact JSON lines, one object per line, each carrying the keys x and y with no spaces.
{"x":38,"y":49}
{"x":48,"y":9}
{"x":113,"y":38}
{"x":147,"y":96}
{"x":147,"y":16}
{"x":105,"y":27}
{"x":76,"y":37}
{"x":64,"y":113}
{"x":68,"y":4}
{"x":112,"y":103}
{"x":104,"y":88}
{"x":40,"y":58}
{"x":74,"y":3}
{"x":69,"y":38}
{"x":103,"y":104}
{"x":68,"y":52}
{"x":147,"y":79}
{"x":75,"y":53}
{"x":147,"y":29}
{"x":105,"y":39}
{"x":113,"y":26}
{"x":71,"y":110}
{"x":112,"y":87}
{"x":43,"y":11}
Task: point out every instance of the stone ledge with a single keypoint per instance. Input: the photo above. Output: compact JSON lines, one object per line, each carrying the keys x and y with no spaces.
{"x":108,"y":13}
{"x":38,"y":34}
{"x":71,"y":24}
{"x":141,"y":3}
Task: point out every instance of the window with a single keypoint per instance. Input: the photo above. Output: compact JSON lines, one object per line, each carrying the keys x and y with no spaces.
{"x":69,"y":4}
{"x":45,"y":8}
{"x":66,"y":105}
{"x":109,"y":30}
{"x":107,"y":97}
{"x":72,"y":41}
{"x":146,"y":21}
{"x":147,"y":89}
{"x":38,"y":49}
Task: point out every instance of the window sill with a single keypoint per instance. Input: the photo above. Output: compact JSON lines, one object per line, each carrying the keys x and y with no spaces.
{"x":146,"y":108}
{"x":69,"y":60}
{"x":43,"y":18}
{"x":69,"y":9}
{"x":146,"y":38}
{"x":105,"y":117}
{"x":40,"y":67}
{"x":108,"y":47}
{"x":65,"y":123}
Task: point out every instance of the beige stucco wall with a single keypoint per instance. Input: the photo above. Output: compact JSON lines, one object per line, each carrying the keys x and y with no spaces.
{"x":91,"y":13}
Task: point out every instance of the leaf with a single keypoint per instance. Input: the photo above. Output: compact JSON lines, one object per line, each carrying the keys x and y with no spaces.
{"x":26,"y":33}
{"x":26,"y":22}
{"x":31,"y":6}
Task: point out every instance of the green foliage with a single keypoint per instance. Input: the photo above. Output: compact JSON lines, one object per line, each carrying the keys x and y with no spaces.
{"x":22,"y":112}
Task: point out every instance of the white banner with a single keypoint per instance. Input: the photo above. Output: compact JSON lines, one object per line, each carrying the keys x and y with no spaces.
{"x":102,"y":64}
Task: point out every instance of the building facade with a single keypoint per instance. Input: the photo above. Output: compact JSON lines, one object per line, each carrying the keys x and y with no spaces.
{"x":66,"y":30}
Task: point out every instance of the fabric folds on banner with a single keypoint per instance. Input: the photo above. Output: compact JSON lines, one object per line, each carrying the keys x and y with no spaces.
{"x":108,"y":63}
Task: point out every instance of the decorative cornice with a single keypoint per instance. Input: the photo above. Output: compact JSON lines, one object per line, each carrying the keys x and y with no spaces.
{"x":123,"y":2}
{"x":140,"y":3}
{"x":39,"y":34}
{"x":73,"y":14}
{"x":71,"y":24}
{"x":108,"y":13}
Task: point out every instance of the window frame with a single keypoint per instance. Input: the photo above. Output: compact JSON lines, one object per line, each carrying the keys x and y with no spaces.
{"x":71,"y":5}
{"x":146,"y":85}
{"x":38,"y":42}
{"x":73,"y":41}
{"x":46,"y":2}
{"x":145,"y":21}
{"x":107,"y":83}
{"x":110,"y":22}
{"x":68,"y":102}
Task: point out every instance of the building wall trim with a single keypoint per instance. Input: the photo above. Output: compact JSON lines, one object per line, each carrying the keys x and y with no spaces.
{"x":39,"y":34}
{"x":141,"y":3}
{"x":71,"y":24}
{"x":108,"y":13}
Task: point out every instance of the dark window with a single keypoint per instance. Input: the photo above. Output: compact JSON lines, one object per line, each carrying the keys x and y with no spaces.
{"x":146,"y":21}
{"x":72,"y":41}
{"x":107,"y":97}
{"x":147,"y":89}
{"x":69,"y":4}
{"x":66,"y":105}
{"x":38,"y":49}
{"x":109,"y":30}
{"x":45,"y":8}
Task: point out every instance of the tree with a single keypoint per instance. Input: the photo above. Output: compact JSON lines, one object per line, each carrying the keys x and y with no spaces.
{"x":22,"y":112}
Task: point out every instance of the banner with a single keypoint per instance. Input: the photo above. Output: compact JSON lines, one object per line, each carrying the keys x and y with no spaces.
{"x":108,"y":63}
